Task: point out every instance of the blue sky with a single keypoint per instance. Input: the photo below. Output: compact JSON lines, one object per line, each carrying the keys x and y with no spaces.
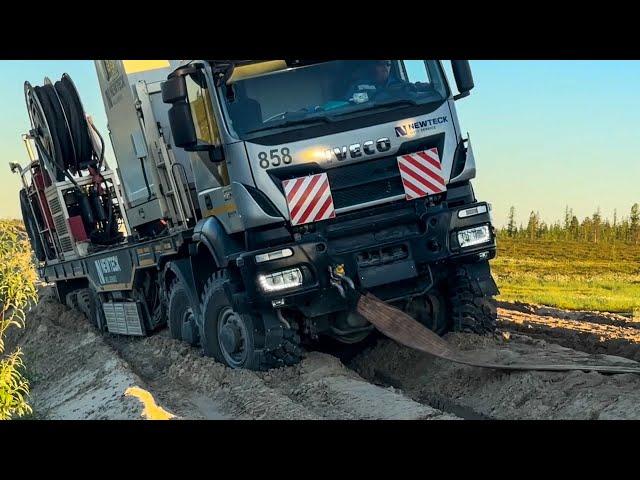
{"x":545,"y":134}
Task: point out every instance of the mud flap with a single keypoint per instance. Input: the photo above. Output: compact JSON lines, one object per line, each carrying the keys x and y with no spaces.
{"x":400,"y":327}
{"x":273,"y":334}
{"x":480,"y":274}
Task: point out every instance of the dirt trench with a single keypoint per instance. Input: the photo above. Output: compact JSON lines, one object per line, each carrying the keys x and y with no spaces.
{"x":77,"y":373}
{"x":586,"y":331}
{"x":479,"y":393}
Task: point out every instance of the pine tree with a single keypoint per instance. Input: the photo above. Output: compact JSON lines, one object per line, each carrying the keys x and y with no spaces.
{"x":511,"y":226}
{"x":532,"y":226}
{"x":597,"y":225}
{"x":634,"y":223}
{"x":586,"y":229}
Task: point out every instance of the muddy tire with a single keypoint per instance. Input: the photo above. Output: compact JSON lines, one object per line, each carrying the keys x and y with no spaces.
{"x":431,"y":311}
{"x":179,"y":310}
{"x":235,"y":339}
{"x":471,"y":310}
{"x":86,"y":302}
{"x":288,"y":354}
{"x":71,"y":300}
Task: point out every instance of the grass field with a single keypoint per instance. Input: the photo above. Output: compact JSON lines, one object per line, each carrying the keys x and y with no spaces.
{"x":572,"y":275}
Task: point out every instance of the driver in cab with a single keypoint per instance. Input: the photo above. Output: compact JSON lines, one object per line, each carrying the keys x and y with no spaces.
{"x":377,"y":77}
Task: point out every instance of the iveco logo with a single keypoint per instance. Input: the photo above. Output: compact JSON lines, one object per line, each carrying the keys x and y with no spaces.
{"x":356,"y":150}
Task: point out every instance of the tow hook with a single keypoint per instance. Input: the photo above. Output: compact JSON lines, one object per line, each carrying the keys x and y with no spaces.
{"x":340,"y":280}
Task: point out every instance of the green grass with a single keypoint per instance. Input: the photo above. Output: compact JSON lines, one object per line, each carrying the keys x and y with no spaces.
{"x":571,"y":275}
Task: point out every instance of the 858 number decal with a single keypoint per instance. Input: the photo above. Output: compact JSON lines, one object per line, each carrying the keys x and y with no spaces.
{"x":275,"y":157}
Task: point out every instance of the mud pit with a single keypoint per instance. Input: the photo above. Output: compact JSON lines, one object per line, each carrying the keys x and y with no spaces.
{"x":593,"y":332}
{"x":77,"y":373}
{"x":483,"y":393}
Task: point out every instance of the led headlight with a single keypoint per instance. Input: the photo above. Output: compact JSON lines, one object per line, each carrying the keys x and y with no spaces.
{"x":474,"y":236}
{"x":273,"y":282}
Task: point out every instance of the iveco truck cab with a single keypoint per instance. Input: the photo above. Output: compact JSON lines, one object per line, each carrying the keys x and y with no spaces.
{"x":316,"y":177}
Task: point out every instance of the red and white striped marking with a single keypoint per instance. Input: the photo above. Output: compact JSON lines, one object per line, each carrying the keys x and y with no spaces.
{"x":421,"y":174}
{"x":309,"y":199}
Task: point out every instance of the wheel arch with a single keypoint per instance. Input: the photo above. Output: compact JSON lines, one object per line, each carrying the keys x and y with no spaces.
{"x":210,"y":233}
{"x":182,"y":271}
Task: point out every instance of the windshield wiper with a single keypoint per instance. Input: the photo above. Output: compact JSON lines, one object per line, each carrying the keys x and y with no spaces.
{"x":288,"y":123}
{"x":376,"y":105}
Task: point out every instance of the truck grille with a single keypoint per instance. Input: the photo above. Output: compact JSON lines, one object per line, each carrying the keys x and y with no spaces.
{"x":365,"y":182}
{"x":353,"y":185}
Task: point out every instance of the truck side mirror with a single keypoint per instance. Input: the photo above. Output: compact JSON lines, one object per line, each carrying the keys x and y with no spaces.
{"x":464,"y":78}
{"x":186,"y":134}
{"x":174,"y":90}
{"x":182,"y":129}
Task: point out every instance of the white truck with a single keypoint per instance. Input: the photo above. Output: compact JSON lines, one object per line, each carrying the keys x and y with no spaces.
{"x":250,"y":196}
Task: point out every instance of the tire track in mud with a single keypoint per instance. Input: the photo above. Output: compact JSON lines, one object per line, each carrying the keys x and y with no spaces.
{"x":72,"y":373}
{"x":84,"y":374}
{"x":478,"y":393}
{"x":320,"y":387}
{"x":591,"y":332}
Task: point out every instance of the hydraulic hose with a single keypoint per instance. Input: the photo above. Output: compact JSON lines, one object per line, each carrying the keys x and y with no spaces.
{"x":77,"y":122}
{"x":101,"y":159}
{"x":59,"y":143}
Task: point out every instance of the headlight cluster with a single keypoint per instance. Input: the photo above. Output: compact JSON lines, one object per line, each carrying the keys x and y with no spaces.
{"x":474,"y":236}
{"x":276,"y":281}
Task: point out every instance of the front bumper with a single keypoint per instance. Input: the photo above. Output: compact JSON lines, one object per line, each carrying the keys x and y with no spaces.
{"x":394,"y":253}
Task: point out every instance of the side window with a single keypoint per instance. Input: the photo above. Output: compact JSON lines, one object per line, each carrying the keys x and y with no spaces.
{"x":200,"y":102}
{"x":204,"y":120}
{"x":416,"y":71}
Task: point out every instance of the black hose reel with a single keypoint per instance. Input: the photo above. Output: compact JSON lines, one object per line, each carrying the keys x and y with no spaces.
{"x":60,"y":128}
{"x":62,"y":138}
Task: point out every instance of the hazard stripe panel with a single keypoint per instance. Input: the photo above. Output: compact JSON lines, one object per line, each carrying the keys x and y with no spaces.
{"x":421,"y":174}
{"x":309,"y":199}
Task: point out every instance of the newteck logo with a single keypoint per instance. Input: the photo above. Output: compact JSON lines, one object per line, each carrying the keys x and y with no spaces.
{"x":105,"y":266}
{"x":421,"y":126}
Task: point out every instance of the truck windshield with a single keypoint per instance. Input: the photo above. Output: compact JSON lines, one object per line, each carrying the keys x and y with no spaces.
{"x":290,"y":98}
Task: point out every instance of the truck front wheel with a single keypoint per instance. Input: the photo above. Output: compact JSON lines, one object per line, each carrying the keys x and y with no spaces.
{"x":472,"y":310}
{"x":226,"y":335}
{"x":238,"y":339}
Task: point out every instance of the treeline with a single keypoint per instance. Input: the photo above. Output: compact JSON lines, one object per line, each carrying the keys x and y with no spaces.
{"x":591,"y":229}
